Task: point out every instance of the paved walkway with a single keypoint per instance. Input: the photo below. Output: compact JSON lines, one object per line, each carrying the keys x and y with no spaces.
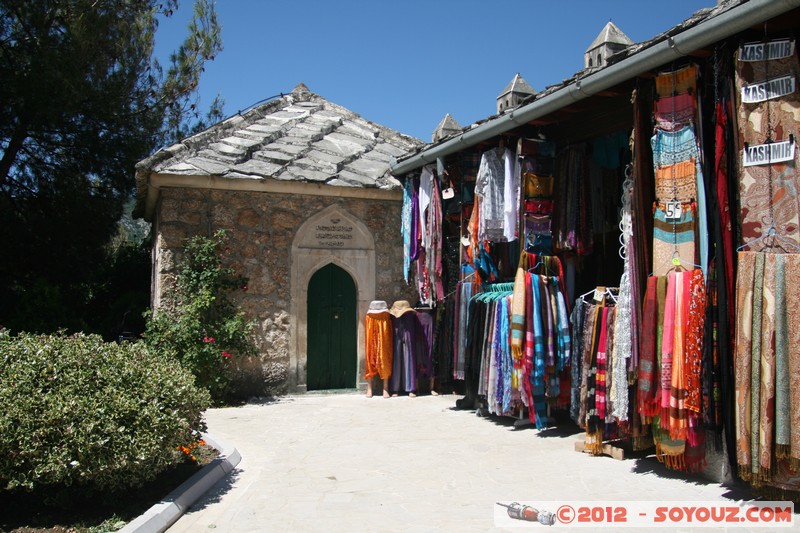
{"x":343,"y":462}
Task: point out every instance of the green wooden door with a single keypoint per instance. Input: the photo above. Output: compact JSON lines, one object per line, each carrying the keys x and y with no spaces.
{"x":332,"y":326}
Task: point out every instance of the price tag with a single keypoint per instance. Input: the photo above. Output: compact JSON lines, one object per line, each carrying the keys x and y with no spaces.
{"x":673,"y":210}
{"x":599,"y":292}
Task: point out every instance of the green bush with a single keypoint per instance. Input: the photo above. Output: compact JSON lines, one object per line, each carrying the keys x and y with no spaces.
{"x":199,"y":324}
{"x":78,"y":411}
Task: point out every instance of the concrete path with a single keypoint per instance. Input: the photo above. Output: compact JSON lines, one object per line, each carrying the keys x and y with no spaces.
{"x":343,"y":462}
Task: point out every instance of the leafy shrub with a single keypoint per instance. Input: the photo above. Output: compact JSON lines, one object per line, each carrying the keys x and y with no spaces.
{"x":78,"y":411}
{"x":199,"y":324}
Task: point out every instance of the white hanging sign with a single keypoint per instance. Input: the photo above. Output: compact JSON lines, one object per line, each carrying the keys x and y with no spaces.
{"x":768,"y":50}
{"x":764,"y":154}
{"x":769,"y":89}
{"x":672,"y":211}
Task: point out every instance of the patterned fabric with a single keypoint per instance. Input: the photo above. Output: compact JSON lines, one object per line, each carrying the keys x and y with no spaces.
{"x":405,"y":229}
{"x":755,"y":367}
{"x":673,"y":238}
{"x":675,"y":112}
{"x":577,"y":320}
{"x":782,"y":375}
{"x":792,"y":313}
{"x":679,"y":81}
{"x":677,"y":182}
{"x":711,"y":393}
{"x":769,"y":194}
{"x":678,"y":416}
{"x":379,"y":345}
{"x":694,"y":341}
{"x":647,"y":352}
{"x":622,"y":351}
{"x":743,"y":359}
{"x":767,"y":379}
{"x":490,"y":187}
{"x":427,"y":340}
{"x":518,"y":311}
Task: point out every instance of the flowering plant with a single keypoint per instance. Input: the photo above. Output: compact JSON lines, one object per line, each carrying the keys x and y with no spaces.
{"x":199,"y":324}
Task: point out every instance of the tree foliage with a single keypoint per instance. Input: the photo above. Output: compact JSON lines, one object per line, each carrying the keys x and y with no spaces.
{"x":82,"y":100}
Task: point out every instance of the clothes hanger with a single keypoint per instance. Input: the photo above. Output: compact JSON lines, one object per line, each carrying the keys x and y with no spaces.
{"x":774,"y":234}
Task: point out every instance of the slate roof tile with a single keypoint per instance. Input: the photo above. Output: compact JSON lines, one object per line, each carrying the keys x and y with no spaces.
{"x":300,"y":137}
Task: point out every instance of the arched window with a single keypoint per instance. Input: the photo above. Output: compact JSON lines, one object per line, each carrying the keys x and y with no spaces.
{"x":590,"y":62}
{"x":599,"y":60}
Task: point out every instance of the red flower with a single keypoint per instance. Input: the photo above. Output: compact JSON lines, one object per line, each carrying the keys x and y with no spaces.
{"x":226,"y":355}
{"x":208,"y":339}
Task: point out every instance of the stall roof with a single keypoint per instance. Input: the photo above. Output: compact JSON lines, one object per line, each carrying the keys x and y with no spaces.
{"x":705,"y":27}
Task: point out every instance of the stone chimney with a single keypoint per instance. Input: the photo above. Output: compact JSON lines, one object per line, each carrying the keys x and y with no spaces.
{"x":610,"y":41}
{"x":514,"y":93}
{"x":448,"y":126}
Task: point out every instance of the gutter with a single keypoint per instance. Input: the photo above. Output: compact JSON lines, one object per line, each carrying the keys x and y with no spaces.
{"x":710,"y":31}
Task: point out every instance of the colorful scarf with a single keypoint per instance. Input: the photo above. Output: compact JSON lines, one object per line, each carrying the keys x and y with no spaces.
{"x":674,"y":112}
{"x":667,"y":347}
{"x":537,"y":375}
{"x":518,"y":311}
{"x":671,"y":236}
{"x":678,"y":417}
{"x":782,"y":375}
{"x":711,"y":394}
{"x":694,"y":341}
{"x":647,"y":352}
{"x":405,"y":228}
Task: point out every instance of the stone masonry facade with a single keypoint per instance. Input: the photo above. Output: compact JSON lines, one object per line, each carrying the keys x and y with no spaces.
{"x":261,"y":227}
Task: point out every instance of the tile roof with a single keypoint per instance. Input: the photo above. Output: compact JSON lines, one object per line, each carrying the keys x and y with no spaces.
{"x":298,"y":137}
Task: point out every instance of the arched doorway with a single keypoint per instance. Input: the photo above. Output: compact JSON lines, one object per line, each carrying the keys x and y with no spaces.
{"x":332,"y":322}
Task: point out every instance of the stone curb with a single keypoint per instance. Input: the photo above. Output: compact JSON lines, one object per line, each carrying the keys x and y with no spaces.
{"x":162,"y":515}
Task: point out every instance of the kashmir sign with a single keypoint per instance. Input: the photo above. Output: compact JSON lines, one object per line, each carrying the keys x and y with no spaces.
{"x":768,"y":90}
{"x":765,"y":154}
{"x":768,"y":50}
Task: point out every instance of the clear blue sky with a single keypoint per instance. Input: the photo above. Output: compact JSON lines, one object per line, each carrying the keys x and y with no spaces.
{"x":405,"y":64}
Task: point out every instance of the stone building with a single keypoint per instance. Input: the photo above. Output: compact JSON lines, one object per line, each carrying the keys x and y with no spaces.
{"x":302,"y":187}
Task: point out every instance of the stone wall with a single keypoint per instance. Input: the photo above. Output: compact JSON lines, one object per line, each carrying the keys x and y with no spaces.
{"x":261,"y":228}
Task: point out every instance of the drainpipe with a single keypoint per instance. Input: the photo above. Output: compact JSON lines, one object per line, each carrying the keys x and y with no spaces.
{"x":710,"y":31}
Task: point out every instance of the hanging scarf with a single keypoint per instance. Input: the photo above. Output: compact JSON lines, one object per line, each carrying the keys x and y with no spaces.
{"x":767,"y":382}
{"x":597,"y":384}
{"x":528,"y":356}
{"x":694,"y":341}
{"x":622,"y":348}
{"x":518,"y":311}
{"x":589,"y":338}
{"x":647,"y":352}
{"x":576,"y":363}
{"x":782,"y":375}
{"x":755,"y":367}
{"x":379,"y":345}
{"x":743,"y":357}
{"x":667,"y":347}
{"x":405,"y":228}
{"x":710,"y":375}
{"x":678,"y":417}
{"x":537,"y":376}
{"x":792,"y":314}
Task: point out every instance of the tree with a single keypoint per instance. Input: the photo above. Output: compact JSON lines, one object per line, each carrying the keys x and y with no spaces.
{"x":82,"y":100}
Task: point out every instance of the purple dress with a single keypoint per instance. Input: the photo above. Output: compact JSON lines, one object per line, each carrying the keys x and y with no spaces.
{"x":404,"y":361}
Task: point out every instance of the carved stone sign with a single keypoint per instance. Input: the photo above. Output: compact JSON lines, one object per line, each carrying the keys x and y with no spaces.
{"x":334,"y":233}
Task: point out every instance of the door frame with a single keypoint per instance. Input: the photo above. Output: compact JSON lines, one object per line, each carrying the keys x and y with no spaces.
{"x":357,"y":259}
